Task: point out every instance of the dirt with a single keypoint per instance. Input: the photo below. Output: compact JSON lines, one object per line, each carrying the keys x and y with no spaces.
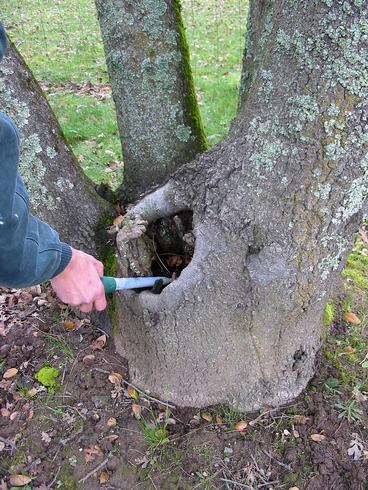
{"x":84,"y":433}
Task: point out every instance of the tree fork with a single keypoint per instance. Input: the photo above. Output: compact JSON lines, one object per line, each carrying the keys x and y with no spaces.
{"x":275,"y":208}
{"x":59,"y":192}
{"x":149,"y":68}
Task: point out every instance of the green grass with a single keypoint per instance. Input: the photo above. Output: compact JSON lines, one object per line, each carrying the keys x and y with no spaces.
{"x":61,"y":42}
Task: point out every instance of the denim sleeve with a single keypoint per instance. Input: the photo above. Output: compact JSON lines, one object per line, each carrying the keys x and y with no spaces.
{"x":30,"y":251}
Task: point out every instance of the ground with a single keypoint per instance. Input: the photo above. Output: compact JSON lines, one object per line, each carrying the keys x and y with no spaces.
{"x":82,"y":425}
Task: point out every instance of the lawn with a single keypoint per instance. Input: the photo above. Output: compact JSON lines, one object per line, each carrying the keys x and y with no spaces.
{"x":61,"y":43}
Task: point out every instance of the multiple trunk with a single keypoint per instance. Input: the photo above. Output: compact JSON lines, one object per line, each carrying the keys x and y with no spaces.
{"x":60,"y":193}
{"x":152,"y":85}
{"x":275,"y":208}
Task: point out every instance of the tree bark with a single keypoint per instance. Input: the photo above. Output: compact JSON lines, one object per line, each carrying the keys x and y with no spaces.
{"x":59,"y":192}
{"x":275,"y":208}
{"x":152,"y":85}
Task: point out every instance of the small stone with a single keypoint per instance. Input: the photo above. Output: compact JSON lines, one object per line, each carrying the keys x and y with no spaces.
{"x":228,"y":451}
{"x":101,"y":401}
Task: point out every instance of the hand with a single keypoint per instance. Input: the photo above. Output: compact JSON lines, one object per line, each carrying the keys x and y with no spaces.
{"x":80,"y":283}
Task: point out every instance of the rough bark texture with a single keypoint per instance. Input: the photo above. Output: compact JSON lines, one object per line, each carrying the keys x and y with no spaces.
{"x":152,"y":85}
{"x":60,"y":193}
{"x":275,"y":209}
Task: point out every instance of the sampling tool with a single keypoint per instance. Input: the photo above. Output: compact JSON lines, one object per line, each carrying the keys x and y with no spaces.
{"x":112,"y":284}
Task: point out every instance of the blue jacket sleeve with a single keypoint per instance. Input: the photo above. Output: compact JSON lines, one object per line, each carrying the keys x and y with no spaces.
{"x":30,"y":251}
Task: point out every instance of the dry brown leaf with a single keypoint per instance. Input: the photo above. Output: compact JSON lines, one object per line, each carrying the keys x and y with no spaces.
{"x":115,"y":378}
{"x":30,"y":414}
{"x":10,"y":373}
{"x":91,"y":453}
{"x":349,"y":349}
{"x":5,"y":412}
{"x":294,"y":488}
{"x":19,"y":480}
{"x":174,"y":261}
{"x":317,"y":437}
{"x":351,"y":317}
{"x":112,"y":422}
{"x":111,"y":438}
{"x":89,"y":359}
{"x":69,"y":325}
{"x":137,"y":410}
{"x":32,"y":392}
{"x":99,"y":343}
{"x":219,"y":420}
{"x":14,"y":416}
{"x":300,"y":419}
{"x":296,"y":434}
{"x":118,"y":220}
{"x":45,"y":437}
{"x":206,"y":416}
{"x":241,"y":425}
{"x":132,"y":392}
{"x":104,"y":477}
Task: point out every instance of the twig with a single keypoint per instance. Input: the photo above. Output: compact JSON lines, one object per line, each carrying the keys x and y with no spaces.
{"x":159,"y":259}
{"x":268,"y":483}
{"x":156,"y":400}
{"x":233,"y":482}
{"x":49,"y":486}
{"x":8,"y":442}
{"x":91,"y":473}
{"x":276,"y":460}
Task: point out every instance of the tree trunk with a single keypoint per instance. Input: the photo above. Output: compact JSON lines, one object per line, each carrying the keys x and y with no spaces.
{"x":275,"y":208}
{"x":59,"y":192}
{"x":152,"y":85}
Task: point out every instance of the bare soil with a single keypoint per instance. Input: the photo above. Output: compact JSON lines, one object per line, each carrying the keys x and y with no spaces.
{"x":85,"y":433}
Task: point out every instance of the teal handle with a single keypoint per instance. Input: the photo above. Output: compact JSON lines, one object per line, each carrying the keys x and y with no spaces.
{"x":109,"y":284}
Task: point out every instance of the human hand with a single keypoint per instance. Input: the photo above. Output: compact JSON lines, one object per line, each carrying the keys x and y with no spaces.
{"x":80,"y":283}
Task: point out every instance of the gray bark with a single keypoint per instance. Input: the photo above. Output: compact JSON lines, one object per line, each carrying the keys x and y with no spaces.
{"x":275,"y":208}
{"x":152,"y":86}
{"x":59,"y":192}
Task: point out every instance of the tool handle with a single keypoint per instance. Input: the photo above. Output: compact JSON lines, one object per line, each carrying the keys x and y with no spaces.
{"x":109,"y":284}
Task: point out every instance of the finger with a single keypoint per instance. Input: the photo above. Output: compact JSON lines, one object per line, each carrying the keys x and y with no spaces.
{"x":85,"y":307}
{"x":100,"y":303}
{"x":99,"y":267}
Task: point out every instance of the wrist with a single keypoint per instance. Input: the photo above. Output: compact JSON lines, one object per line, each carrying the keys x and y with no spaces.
{"x":65,"y":259}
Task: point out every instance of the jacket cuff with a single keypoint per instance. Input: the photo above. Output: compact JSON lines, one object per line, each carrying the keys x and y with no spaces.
{"x":66,"y":255}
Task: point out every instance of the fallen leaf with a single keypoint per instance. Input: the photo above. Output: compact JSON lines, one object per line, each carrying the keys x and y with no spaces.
{"x":89,"y":359}
{"x":241,"y":425}
{"x":14,"y":416}
{"x":104,"y":477}
{"x":91,"y":453}
{"x":300,"y":419}
{"x":174,"y":261}
{"x":118,"y":220}
{"x":356,"y":447}
{"x":351,"y":317}
{"x":45,"y":437}
{"x":111,"y":438}
{"x":296,"y":434}
{"x":206,"y":416}
{"x":115,"y":378}
{"x":132,"y":392}
{"x":5,"y":412}
{"x":69,"y":325}
{"x":19,"y":480}
{"x":99,"y":343}
{"x":317,"y":437}
{"x":2,"y":446}
{"x":137,"y":410}
{"x":349,"y":349}
{"x":32,"y":392}
{"x":30,"y":414}
{"x":294,"y":488}
{"x":10,"y":373}
{"x":219,"y":420}
{"x":112,"y":422}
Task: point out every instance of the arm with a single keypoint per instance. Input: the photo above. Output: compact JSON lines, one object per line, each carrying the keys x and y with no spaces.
{"x":30,"y":251}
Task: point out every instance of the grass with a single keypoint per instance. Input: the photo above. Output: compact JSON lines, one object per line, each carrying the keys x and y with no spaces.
{"x":60,"y":40}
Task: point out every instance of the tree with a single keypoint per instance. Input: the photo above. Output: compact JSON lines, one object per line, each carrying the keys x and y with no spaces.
{"x":60,"y":193}
{"x":275,"y":208}
{"x":148,"y":61}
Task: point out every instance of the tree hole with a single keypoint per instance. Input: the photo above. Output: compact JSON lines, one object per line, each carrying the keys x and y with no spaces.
{"x":173,"y":242}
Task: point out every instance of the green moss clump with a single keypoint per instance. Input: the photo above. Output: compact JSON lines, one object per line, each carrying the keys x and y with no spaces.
{"x":328,"y":314}
{"x":47,"y":376}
